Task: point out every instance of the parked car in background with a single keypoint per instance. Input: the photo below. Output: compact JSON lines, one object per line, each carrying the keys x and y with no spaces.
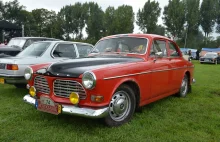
{"x":121,"y":74}
{"x":210,"y":57}
{"x":18,"y":44}
{"x":12,"y":68}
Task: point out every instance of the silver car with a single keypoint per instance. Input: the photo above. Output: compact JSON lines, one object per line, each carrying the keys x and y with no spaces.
{"x":12,"y":68}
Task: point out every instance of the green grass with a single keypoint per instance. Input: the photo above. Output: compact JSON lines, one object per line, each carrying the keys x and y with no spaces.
{"x":194,"y":118}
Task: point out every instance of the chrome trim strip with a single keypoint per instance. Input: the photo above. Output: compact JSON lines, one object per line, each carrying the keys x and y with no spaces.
{"x":107,"y":78}
{"x":120,"y":76}
{"x":74,"y":110}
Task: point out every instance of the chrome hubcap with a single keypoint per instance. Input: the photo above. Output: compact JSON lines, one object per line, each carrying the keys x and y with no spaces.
{"x":120,"y":106}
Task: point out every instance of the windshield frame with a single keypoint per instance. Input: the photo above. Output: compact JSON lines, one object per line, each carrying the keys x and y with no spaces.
{"x":49,"y":44}
{"x":118,"y":53}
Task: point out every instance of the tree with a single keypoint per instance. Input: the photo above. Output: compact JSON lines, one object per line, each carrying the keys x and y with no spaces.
{"x":109,"y":21}
{"x":160,"y":30}
{"x":192,"y":16}
{"x":218,"y":16}
{"x":124,"y":19}
{"x":208,"y":16}
{"x":94,"y":21}
{"x":26,"y":18}
{"x":40,"y":18}
{"x":10,"y":10}
{"x":147,"y":16}
{"x":174,"y":17}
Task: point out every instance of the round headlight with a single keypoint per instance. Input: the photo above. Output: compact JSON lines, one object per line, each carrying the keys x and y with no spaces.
{"x":28,"y":73}
{"x":89,"y":80}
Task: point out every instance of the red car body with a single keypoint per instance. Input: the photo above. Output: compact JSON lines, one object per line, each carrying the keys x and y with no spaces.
{"x":148,"y":76}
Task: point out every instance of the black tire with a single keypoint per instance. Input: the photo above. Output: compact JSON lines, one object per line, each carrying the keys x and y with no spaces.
{"x":121,"y":107}
{"x":184,"y":87}
{"x":201,"y":63}
{"x":20,"y":85}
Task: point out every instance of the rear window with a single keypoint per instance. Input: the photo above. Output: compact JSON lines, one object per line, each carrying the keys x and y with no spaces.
{"x":35,"y":49}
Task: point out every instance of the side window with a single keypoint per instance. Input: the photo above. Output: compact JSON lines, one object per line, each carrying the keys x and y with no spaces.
{"x":65,"y":50}
{"x":83,"y":50}
{"x":158,"y":47}
{"x":173,"y":50}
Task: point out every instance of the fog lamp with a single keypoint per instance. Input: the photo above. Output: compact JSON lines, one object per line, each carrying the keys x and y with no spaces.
{"x":74,"y":98}
{"x":32,"y":91}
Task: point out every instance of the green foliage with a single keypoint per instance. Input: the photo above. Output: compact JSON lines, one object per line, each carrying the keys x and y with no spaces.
{"x":174,"y":17}
{"x":147,"y":16}
{"x":119,"y":21}
{"x":208,"y":16}
{"x":160,"y":30}
{"x":192,"y":16}
{"x":94,"y":21}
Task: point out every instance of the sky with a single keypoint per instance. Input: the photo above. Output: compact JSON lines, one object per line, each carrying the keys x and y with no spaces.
{"x":56,"y":5}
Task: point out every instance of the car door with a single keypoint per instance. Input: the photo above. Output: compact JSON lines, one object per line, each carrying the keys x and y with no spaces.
{"x":160,"y":68}
{"x":175,"y":62}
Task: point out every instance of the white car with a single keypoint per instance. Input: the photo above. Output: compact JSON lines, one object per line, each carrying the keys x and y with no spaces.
{"x":12,"y":68}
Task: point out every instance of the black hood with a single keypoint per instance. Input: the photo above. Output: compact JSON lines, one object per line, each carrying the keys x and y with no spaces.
{"x":76,"y":67}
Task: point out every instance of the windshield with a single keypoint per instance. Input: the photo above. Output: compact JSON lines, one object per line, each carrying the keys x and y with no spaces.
{"x":121,"y":45}
{"x":35,"y":49}
{"x":16,"y":42}
{"x":210,"y":55}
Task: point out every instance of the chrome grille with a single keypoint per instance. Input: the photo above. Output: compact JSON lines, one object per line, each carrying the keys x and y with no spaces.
{"x":63,"y":88}
{"x":41,"y":85}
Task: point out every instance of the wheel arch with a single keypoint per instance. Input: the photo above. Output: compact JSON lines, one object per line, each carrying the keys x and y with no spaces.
{"x":135,"y":87}
{"x":189,"y":79}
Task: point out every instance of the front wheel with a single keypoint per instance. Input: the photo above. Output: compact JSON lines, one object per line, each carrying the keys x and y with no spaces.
{"x":184,"y":88}
{"x":121,"y":106}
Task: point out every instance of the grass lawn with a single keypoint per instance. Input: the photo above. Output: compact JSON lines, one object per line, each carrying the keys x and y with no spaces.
{"x":194,"y":118}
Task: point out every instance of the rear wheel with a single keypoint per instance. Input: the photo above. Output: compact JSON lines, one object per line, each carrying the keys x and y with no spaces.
{"x":184,"y":88}
{"x":121,"y":107}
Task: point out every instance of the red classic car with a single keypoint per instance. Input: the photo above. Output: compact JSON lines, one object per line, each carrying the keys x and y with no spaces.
{"x":121,"y":74}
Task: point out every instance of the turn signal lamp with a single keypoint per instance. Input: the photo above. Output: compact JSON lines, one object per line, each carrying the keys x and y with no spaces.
{"x":74,"y":98}
{"x":12,"y":67}
{"x":97,"y":98}
{"x":32,"y":91}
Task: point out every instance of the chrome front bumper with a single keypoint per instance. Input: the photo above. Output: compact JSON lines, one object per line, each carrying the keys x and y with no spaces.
{"x":73,"y":110}
{"x":12,"y":79}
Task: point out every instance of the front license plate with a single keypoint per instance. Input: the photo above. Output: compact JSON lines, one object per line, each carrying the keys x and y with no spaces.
{"x":2,"y":81}
{"x":45,"y":104}
{"x":207,"y":60}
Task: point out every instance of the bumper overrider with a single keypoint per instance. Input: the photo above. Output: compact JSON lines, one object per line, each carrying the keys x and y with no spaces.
{"x":74,"y":110}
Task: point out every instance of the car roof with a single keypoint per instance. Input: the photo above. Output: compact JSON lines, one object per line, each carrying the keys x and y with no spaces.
{"x":138,"y":36}
{"x":61,"y":41}
{"x":34,"y":38}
